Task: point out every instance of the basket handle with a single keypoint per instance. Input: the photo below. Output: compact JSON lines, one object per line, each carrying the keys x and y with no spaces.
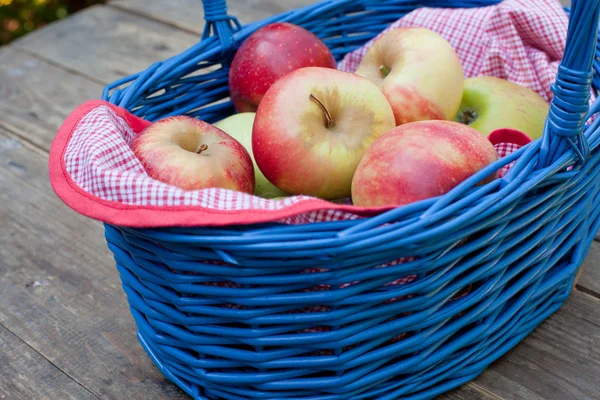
{"x":571,"y":103}
{"x":220,"y":24}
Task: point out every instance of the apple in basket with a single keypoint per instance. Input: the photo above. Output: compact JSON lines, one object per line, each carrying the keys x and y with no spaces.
{"x":491,"y":103}
{"x":267,"y":55}
{"x":419,"y":73}
{"x":191,"y":154}
{"x":313,"y":127}
{"x":239,"y":126}
{"x":419,"y":160}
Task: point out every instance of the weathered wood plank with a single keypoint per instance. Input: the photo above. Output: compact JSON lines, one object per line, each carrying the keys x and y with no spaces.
{"x":37,"y":96}
{"x":105,"y":43}
{"x":189,"y":15}
{"x":59,"y":289}
{"x":589,"y":279}
{"x":516,"y":378}
{"x":581,"y":306}
{"x":25,"y":374}
{"x":559,"y":360}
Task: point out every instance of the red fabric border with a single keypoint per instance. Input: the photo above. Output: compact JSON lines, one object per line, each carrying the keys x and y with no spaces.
{"x":509,"y":135}
{"x":158,"y":216}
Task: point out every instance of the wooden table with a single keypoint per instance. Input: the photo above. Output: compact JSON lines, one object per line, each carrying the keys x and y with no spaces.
{"x":65,"y":327}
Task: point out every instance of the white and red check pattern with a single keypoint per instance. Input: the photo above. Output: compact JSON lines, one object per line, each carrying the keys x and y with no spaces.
{"x":520,"y":40}
{"x":504,"y":149}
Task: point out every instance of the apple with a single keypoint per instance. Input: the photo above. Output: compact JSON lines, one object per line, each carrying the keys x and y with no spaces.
{"x":239,"y":126}
{"x":267,"y":55}
{"x":313,"y":127}
{"x":419,"y":160}
{"x":491,"y":103}
{"x":192,"y":155}
{"x":419,"y":73}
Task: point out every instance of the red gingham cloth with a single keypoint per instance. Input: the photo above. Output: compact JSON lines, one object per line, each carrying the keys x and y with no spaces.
{"x":99,"y":176}
{"x":522,"y":41}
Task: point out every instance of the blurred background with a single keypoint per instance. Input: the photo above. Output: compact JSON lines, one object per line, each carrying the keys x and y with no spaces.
{"x":18,"y":17}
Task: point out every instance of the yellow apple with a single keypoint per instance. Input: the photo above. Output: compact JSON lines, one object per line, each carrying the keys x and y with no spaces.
{"x":491,"y":103}
{"x":239,"y":126}
{"x":418,"y":72}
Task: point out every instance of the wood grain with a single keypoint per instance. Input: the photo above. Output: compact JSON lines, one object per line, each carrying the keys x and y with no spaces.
{"x":26,"y":375}
{"x":189,"y":15}
{"x":105,"y":43}
{"x":589,"y":280}
{"x":559,"y":360}
{"x":515,"y":377}
{"x":59,"y":289}
{"x":37,"y":96}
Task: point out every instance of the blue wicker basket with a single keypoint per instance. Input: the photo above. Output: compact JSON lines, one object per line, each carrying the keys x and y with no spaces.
{"x":491,"y":262}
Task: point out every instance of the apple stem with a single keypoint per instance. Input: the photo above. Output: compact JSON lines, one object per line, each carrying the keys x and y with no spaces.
{"x":330,"y":123}
{"x":468,"y":116}
{"x":202,"y":148}
{"x":384,"y":70}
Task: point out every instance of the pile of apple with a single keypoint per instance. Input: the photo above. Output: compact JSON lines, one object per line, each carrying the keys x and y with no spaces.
{"x":405,"y":127}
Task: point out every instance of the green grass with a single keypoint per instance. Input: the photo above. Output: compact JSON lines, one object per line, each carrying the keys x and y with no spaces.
{"x":19,"y":17}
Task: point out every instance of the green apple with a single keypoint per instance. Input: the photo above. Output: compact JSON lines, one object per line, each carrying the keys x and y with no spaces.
{"x":491,"y":103}
{"x":239,"y":126}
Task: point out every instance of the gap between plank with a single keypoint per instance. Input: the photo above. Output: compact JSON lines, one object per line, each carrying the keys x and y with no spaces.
{"x":51,"y":363}
{"x":19,"y":135}
{"x":591,"y":296}
{"x":587,"y":292}
{"x":15,"y":46}
{"x":151,"y":17}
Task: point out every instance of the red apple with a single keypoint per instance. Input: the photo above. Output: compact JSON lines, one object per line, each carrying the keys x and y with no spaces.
{"x":192,"y":155}
{"x":419,"y":160}
{"x":313,"y":127}
{"x":267,"y":55}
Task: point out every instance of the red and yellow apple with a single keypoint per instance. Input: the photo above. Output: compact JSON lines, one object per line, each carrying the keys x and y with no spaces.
{"x":491,"y":103}
{"x":192,"y":155}
{"x":239,"y":126}
{"x":267,"y":55}
{"x":419,"y":160}
{"x":313,"y":127}
{"x":419,"y":73}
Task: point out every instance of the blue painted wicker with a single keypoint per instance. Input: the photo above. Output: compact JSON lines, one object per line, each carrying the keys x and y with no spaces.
{"x":513,"y":246}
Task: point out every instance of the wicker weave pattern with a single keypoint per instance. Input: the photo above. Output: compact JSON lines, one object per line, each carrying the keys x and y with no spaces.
{"x":308,"y":311}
